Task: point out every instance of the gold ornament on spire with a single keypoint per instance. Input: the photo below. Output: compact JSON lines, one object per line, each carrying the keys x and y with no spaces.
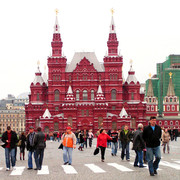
{"x":57,"y":11}
{"x":131,"y":61}
{"x":38,"y":62}
{"x":112,"y":11}
{"x":149,"y":75}
{"x":170,"y":74}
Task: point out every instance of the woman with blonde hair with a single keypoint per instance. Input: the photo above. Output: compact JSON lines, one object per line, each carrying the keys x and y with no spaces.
{"x":165,"y":140}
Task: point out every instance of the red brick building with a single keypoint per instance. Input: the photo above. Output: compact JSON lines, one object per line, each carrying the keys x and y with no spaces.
{"x":85,"y":94}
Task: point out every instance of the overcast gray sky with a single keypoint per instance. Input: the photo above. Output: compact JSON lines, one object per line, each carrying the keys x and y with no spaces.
{"x":148,"y":31}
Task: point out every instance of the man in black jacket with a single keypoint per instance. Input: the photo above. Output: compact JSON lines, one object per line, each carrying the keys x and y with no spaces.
{"x":152,"y":136}
{"x":10,"y":139}
{"x":125,"y":137}
{"x":138,"y":146}
{"x":39,"y":145}
{"x":30,"y":146}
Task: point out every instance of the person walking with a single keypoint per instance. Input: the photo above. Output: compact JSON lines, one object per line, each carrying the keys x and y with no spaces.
{"x":85,"y":137}
{"x":9,"y":137}
{"x":114,"y":144}
{"x":165,"y":140}
{"x":138,"y":146}
{"x":22,"y":138}
{"x":119,"y":140}
{"x":125,"y":137}
{"x":90,"y":137}
{"x":30,"y":146}
{"x":102,"y":142}
{"x":69,"y":142}
{"x":81,"y":141}
{"x":39,"y":145}
{"x":58,"y":136}
{"x":152,"y":136}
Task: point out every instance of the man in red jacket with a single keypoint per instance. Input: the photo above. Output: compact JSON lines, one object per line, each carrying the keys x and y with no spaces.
{"x":102,"y":142}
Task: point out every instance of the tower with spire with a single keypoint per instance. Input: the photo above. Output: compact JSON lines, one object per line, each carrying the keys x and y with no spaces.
{"x":151,"y":100}
{"x":170,"y":101}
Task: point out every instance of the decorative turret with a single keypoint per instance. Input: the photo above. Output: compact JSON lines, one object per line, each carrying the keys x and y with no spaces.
{"x":123,"y":113}
{"x":38,"y":88}
{"x":56,"y":42}
{"x":151,"y":100}
{"x":112,"y":41}
{"x":69,"y":95}
{"x":171,"y":101}
{"x":131,"y":86}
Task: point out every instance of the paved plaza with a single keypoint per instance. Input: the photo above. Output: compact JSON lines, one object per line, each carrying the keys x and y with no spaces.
{"x":86,"y":166}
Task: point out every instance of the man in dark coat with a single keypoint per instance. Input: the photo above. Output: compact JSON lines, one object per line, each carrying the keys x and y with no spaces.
{"x":125,"y":137}
{"x":152,"y":136}
{"x":30,"y":146}
{"x":39,"y":145}
{"x":10,"y":139}
{"x":138,"y":146}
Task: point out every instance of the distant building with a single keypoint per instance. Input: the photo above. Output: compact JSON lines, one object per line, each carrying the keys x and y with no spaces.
{"x":85,"y":94}
{"x":12,"y":113}
{"x":163,"y":92}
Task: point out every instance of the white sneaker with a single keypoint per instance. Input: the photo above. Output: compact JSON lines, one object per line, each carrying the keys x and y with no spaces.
{"x":7,"y":169}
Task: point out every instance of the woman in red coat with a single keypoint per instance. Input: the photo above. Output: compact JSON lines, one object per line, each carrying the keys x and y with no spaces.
{"x":102,"y":142}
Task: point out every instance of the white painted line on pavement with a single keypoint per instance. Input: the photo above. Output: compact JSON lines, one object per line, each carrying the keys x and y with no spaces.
{"x":168,"y":164}
{"x":68,"y":169}
{"x":177,"y":162}
{"x":17,"y":171}
{"x":119,"y":167}
{"x":44,"y":170}
{"x":144,"y":165}
{"x":1,"y":168}
{"x":95,"y":168}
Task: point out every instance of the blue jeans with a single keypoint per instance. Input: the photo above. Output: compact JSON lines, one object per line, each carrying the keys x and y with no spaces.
{"x":139,"y":158}
{"x":38,"y":155}
{"x":150,"y":153}
{"x":114,"y":148}
{"x":30,"y":164}
{"x":119,"y":142}
{"x":109,"y":144}
{"x":67,"y":154}
{"x":10,"y":153}
{"x":125,"y":146}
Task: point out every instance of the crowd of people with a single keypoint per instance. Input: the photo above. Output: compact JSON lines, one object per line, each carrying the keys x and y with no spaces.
{"x":146,"y":142}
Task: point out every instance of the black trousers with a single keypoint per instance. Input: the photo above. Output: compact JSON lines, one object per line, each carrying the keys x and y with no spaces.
{"x":102,"y":152}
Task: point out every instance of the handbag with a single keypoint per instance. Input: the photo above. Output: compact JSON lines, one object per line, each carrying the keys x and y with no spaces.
{"x":60,"y":146}
{"x":19,"y":143}
{"x":96,"y":151}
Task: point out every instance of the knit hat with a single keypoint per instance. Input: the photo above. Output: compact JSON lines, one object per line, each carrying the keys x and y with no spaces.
{"x":68,"y":128}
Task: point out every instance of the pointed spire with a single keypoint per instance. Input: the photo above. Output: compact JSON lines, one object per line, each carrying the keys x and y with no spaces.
{"x":150,"y":92}
{"x":99,"y":89}
{"x":69,"y":90}
{"x":112,"y":26}
{"x":131,"y":75}
{"x":46,"y":114}
{"x":45,"y":75}
{"x":112,"y":41}
{"x":56,"y":42}
{"x":170,"y":91}
{"x":123,"y":113}
{"x":56,"y":26}
{"x":38,"y":78}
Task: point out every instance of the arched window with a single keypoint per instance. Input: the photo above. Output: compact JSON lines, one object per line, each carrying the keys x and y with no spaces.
{"x":87,"y":113}
{"x":166,"y":99}
{"x":113,"y":94}
{"x":38,"y":97}
{"x":171,"y":122}
{"x":69,"y":78}
{"x":70,"y":121}
{"x":165,"y":123}
{"x":85,"y":95}
{"x":149,"y":99}
{"x":177,"y":123}
{"x":175,"y":99}
{"x":100,"y":122}
{"x":114,"y":125}
{"x":56,"y":95}
{"x":170,"y":99}
{"x":168,"y":108}
{"x":152,"y":108}
{"x":173,"y":108}
{"x":92,"y":77}
{"x":56,"y":126}
{"x":160,"y":123}
{"x":92,"y":95}
{"x":132,"y":95}
{"x":148,"y":108}
{"x":77,"y":95}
